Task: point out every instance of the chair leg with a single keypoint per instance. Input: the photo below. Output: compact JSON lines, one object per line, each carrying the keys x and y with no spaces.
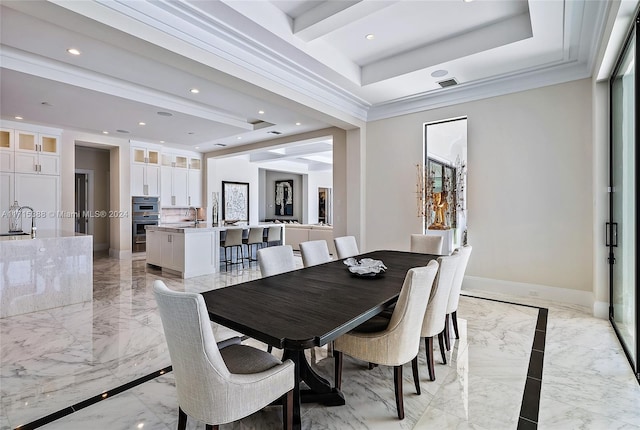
{"x":397,"y":382}
{"x":454,"y":319}
{"x":416,"y":375}
{"x":182,"y":419}
{"x":428,"y":346}
{"x":337,"y":359}
{"x":447,"y":333}
{"x":211,"y":427}
{"x":269,"y":349}
{"x":441,"y":342}
{"x":287,"y":410}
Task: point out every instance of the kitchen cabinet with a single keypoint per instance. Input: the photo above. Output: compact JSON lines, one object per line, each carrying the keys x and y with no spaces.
{"x":42,"y":193}
{"x":166,"y":249}
{"x":36,"y":153}
{"x":6,"y":199}
{"x":181,"y":180}
{"x":186,"y":251}
{"x":6,"y":150}
{"x":145,"y":171}
{"x":174,"y":181}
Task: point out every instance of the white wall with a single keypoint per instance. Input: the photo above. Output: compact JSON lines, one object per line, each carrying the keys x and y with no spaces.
{"x":529,"y":185}
{"x":233,"y":169}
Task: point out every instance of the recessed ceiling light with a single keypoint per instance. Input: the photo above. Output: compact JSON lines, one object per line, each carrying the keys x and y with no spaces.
{"x":194,"y":91}
{"x":142,"y":123}
{"x":370,"y":37}
{"x":162,"y":141}
{"x":73,"y":51}
{"x":105,"y":132}
{"x":197,"y":147}
{"x":261,"y":112}
{"x":165,"y":114}
{"x":439,"y":73}
{"x":239,"y":137}
{"x":18,"y":117}
{"x":298,"y":123}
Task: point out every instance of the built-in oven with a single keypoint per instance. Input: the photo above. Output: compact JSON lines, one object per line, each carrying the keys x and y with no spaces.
{"x":145,"y":211}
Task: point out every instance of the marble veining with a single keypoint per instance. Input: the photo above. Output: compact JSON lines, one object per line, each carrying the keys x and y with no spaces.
{"x":51,"y":359}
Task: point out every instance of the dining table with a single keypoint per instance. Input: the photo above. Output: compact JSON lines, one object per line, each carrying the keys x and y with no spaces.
{"x":310,"y":307}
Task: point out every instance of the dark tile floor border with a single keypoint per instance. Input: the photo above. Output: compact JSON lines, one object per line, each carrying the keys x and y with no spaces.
{"x":529,"y":409}
{"x":530,"y":406}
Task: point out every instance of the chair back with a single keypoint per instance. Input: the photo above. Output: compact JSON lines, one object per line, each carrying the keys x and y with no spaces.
{"x":275,"y":260}
{"x":456,"y":287}
{"x":273,"y":234}
{"x":200,"y":372}
{"x":434,"y":316}
{"x":408,"y":314}
{"x":426,"y":244}
{"x":255,"y":235}
{"x":234,"y":237}
{"x":314,"y":252}
{"x":346,"y":246}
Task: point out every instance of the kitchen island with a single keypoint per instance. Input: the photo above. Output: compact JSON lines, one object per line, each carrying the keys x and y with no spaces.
{"x":51,"y":270}
{"x":186,"y":250}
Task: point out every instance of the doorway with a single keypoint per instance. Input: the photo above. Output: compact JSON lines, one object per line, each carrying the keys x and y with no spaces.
{"x":325,"y":212}
{"x":623,"y":215}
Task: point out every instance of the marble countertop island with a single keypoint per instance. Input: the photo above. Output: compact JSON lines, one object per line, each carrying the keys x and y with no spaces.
{"x":53,"y":269}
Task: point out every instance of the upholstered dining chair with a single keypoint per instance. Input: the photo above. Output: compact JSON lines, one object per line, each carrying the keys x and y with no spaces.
{"x":232,"y":240}
{"x":454,"y":296}
{"x":346,"y":246}
{"x":396,"y":341}
{"x":255,"y":238}
{"x":275,"y":260}
{"x":426,"y":244}
{"x":434,"y":317}
{"x":218,"y":386}
{"x":314,"y":252}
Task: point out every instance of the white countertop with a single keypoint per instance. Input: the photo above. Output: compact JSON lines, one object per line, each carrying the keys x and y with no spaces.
{"x":200,"y":228}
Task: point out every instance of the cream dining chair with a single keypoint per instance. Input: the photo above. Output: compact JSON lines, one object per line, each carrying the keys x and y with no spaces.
{"x":454,"y":296}
{"x":426,"y":244}
{"x":218,"y":386}
{"x":393,"y":342}
{"x":434,"y":317}
{"x":314,"y":252}
{"x":346,"y":246}
{"x":275,"y":260}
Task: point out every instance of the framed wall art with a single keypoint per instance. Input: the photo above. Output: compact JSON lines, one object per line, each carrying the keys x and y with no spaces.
{"x":284,"y":197}
{"x":235,"y":202}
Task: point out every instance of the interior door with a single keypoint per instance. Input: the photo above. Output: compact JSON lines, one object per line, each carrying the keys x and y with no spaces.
{"x":622,"y":228}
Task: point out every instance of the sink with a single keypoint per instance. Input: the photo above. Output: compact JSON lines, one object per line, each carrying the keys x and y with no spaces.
{"x":17,"y":233}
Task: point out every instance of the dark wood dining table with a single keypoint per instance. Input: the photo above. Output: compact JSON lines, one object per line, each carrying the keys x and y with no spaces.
{"x":310,"y":307}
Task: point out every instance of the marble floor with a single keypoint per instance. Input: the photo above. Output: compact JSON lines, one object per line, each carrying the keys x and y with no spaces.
{"x":52,"y":362}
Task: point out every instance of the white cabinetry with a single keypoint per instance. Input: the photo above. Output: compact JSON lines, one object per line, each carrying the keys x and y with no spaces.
{"x":42,"y":193}
{"x":36,"y":153}
{"x":145,"y":171}
{"x":166,"y":250}
{"x":181,"y":180}
{"x":6,"y":150}
{"x":6,"y":199}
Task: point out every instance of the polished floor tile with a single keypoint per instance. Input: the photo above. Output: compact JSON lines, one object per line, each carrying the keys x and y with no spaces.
{"x":51,"y":360}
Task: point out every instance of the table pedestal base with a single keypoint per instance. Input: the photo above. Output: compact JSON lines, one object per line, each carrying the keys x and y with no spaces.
{"x":320,"y":390}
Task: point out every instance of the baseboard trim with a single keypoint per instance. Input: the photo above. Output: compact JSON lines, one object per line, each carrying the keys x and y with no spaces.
{"x":119,"y":254}
{"x":534,"y":291}
{"x":601,"y":310}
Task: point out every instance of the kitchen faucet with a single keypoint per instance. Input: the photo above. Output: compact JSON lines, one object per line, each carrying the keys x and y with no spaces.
{"x":195,"y":215}
{"x":33,"y":220}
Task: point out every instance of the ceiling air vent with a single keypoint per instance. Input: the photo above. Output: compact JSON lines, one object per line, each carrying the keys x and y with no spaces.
{"x":274,"y":132}
{"x":448,"y":83}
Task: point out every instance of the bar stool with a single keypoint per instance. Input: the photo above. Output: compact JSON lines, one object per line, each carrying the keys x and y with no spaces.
{"x":233,"y":240}
{"x":274,"y":235}
{"x":255,"y":237}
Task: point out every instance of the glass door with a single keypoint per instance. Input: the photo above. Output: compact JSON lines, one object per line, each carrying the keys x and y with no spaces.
{"x":622,"y":228}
